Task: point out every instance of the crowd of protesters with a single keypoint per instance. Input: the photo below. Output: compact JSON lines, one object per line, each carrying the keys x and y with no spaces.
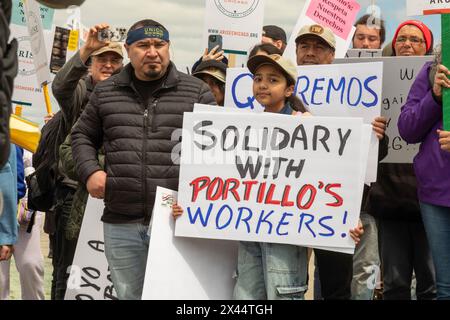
{"x":113,"y":139}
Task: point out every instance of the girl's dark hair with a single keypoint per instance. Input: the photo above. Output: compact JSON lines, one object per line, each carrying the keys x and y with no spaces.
{"x":266,"y":47}
{"x":296,"y":103}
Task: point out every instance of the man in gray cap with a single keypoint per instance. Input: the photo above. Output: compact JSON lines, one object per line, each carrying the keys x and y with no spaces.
{"x":315,"y":45}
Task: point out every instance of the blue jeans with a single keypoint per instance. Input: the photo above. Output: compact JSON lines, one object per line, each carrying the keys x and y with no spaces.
{"x":126,"y":249}
{"x":366,"y":261}
{"x":271,"y":271}
{"x":437,"y":226}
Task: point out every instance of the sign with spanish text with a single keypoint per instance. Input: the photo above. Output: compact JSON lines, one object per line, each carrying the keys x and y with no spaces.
{"x":426,"y":7}
{"x":89,"y":275}
{"x":325,"y":90}
{"x":399,"y":74}
{"x":36,"y":33}
{"x":239,"y":23}
{"x":185,"y":268}
{"x":338,"y":15}
{"x":253,"y":179}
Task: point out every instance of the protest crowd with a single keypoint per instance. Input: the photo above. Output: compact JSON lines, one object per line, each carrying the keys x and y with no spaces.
{"x":118,"y":124}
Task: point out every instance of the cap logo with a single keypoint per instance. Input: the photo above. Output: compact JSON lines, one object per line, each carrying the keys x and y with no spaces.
{"x":316,"y":29}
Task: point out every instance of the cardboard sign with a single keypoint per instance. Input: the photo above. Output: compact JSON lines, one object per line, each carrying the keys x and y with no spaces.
{"x":331,"y":13}
{"x":186,"y":268}
{"x":90,"y":278}
{"x":36,"y":33}
{"x":253,"y":179}
{"x":427,"y":7}
{"x":238,"y":22}
{"x":399,"y":74}
{"x":325,"y":90}
{"x":27,"y":91}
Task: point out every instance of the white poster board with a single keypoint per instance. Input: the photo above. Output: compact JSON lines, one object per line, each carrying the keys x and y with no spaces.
{"x":399,"y":74}
{"x":245,"y":178}
{"x":364,"y":53}
{"x":90,"y":278}
{"x":186,"y":268}
{"x":27,"y":91}
{"x":240,"y":23}
{"x":334,"y":14}
{"x":38,"y":48}
{"x":425,"y":7}
{"x":346,"y":90}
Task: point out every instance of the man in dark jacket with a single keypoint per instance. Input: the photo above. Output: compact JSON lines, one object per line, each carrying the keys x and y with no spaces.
{"x":72,"y":89}
{"x":134,"y":115}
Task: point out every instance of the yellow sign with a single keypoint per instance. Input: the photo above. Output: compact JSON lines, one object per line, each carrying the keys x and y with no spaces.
{"x":73,"y":40}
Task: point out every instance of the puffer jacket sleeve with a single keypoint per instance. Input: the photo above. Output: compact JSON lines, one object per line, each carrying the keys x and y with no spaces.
{"x":68,"y":90}
{"x":87,"y":137}
{"x":421,"y":111}
{"x":206,"y":96}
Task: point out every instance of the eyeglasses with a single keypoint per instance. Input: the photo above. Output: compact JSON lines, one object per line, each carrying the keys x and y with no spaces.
{"x":413,"y":40}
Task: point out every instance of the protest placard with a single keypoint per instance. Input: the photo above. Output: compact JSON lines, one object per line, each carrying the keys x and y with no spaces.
{"x":185,"y":268}
{"x":426,"y":7}
{"x":238,"y":22}
{"x":339,"y":16}
{"x":90,"y":278}
{"x":299,"y":184}
{"x":27,"y":90}
{"x":364,"y":53}
{"x":36,"y":33}
{"x":399,"y":74}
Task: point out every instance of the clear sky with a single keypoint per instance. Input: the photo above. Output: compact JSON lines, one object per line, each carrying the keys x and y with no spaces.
{"x":185,"y":18}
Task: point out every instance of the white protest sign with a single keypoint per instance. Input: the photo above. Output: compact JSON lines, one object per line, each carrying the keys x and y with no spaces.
{"x":90,"y":278}
{"x":399,"y":74}
{"x":36,"y":33}
{"x":339,"y":16}
{"x":325,"y":90}
{"x":186,"y":268}
{"x":364,"y":53}
{"x":239,"y":23}
{"x":246,"y":178}
{"x":27,"y":91}
{"x":426,"y":7}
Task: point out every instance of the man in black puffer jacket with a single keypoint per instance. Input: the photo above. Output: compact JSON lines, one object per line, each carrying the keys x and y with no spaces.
{"x":137,"y":116}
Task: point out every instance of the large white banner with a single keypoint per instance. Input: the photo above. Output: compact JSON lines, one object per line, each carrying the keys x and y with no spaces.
{"x":238,"y":22}
{"x":250,"y":179}
{"x":339,"y":16}
{"x":347,"y":90}
{"x":399,"y":74}
{"x":186,"y":268}
{"x":90,"y":278}
{"x":425,"y":7}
